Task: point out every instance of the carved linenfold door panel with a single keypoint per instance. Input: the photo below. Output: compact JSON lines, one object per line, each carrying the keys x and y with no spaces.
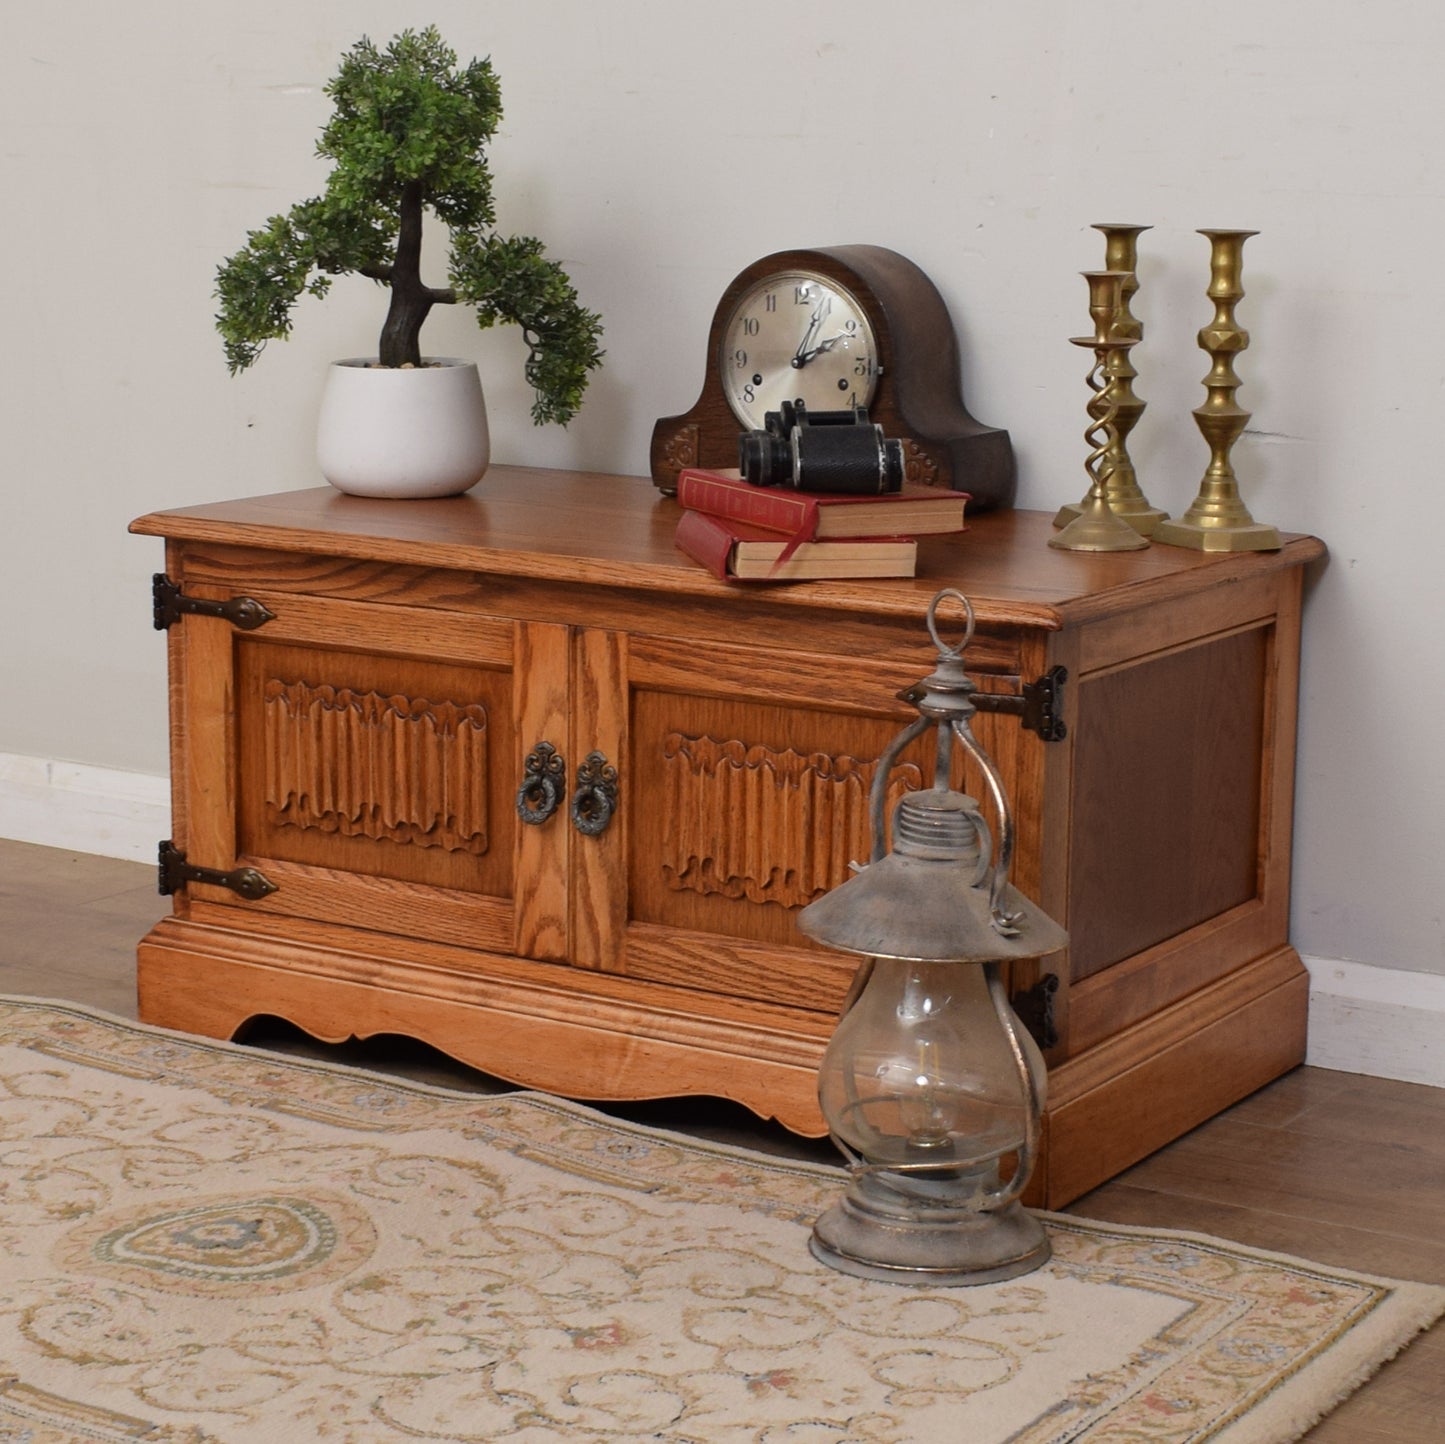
{"x":408,"y":770}
{"x":375,"y":787}
{"x":796,"y":819}
{"x":383,"y":766}
{"x":748,"y":797}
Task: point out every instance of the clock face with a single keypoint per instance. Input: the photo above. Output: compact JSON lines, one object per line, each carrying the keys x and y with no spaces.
{"x":796,"y":336}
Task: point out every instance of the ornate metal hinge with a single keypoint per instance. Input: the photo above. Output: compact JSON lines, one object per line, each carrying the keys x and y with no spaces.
{"x":170,"y":604}
{"x":1039,"y":705}
{"x":176,"y":872}
{"x":1035,"y":1007}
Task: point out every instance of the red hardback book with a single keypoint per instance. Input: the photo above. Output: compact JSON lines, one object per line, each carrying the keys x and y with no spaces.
{"x":821,"y":516}
{"x":734,"y":550}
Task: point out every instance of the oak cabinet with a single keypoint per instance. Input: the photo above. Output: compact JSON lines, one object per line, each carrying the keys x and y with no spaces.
{"x":365,"y":747}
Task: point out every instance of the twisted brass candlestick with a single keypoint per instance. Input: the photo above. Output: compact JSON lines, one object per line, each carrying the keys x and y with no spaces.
{"x":1121,"y":485}
{"x":1096,"y":528}
{"x":1218,"y":520}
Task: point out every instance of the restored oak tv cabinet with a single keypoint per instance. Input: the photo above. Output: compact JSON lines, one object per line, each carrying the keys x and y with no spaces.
{"x":363,"y":750}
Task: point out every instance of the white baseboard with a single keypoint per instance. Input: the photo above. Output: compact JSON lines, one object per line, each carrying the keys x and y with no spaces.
{"x":1382,"y":1021}
{"x":83,"y":809}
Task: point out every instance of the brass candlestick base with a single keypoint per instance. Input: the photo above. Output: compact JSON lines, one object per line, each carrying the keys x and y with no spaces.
{"x":1226,"y":534}
{"x":1218,"y":520}
{"x":1095,"y":527}
{"x":1121,"y":486}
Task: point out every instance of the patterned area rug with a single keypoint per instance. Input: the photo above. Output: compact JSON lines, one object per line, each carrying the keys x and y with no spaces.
{"x":203,"y":1244}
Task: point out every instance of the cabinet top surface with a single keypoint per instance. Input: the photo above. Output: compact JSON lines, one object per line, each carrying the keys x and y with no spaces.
{"x":589,"y":527}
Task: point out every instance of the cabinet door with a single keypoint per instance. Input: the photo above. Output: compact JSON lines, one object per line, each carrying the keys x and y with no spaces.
{"x":366,"y":758}
{"x":745,"y":781}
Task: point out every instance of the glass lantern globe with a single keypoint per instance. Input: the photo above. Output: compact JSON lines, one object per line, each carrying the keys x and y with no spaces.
{"x":919,"y":1072}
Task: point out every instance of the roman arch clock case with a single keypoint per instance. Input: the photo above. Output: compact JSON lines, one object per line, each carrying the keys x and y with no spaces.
{"x":837,"y":327}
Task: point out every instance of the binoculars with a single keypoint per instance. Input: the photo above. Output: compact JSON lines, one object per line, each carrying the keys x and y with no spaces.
{"x":839,"y":451}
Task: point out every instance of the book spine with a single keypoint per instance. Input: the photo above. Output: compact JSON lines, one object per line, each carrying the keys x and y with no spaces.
{"x":705,"y":542}
{"x":795,"y":516}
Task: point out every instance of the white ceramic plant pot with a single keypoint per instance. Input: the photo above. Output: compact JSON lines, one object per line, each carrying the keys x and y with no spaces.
{"x":414,"y":432}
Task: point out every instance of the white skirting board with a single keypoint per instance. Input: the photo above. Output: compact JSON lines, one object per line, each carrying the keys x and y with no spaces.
{"x":1363,"y":1019}
{"x":1383,"y":1021}
{"x":83,"y":809}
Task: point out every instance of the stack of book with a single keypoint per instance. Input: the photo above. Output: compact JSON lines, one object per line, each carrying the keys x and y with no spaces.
{"x":740,"y":531}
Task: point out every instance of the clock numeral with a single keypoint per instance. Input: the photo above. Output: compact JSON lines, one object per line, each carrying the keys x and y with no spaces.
{"x":770,"y":301}
{"x":741,"y":358}
{"x":802,"y":295}
{"x":861,"y":366}
{"x":749,"y":395}
{"x":851,"y":327}
{"x":749,"y":326}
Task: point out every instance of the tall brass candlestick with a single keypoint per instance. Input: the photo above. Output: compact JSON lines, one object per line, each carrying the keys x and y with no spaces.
{"x":1096,"y":528}
{"x":1218,"y":520}
{"x":1121,"y":485}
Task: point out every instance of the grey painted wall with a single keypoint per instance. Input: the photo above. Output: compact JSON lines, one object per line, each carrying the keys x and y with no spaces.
{"x":658,"y":148}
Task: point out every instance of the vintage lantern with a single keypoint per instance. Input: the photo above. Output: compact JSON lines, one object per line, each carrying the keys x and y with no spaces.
{"x":930,"y":1085}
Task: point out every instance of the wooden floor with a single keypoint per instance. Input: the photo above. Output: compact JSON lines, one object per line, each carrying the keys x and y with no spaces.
{"x":1335,"y":1167}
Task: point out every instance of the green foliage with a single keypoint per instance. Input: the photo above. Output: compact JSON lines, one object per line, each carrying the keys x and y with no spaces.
{"x":407,"y":134}
{"x":511,"y":280}
{"x":407,"y":114}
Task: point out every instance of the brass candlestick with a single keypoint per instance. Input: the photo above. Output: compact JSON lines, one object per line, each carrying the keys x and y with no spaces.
{"x":1096,"y":528}
{"x":1121,"y":486}
{"x":1218,"y":520}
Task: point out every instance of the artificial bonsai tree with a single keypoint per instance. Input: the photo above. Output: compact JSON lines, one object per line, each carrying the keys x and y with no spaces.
{"x":408,"y":136}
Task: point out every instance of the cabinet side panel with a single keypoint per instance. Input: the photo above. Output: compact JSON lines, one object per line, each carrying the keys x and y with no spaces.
{"x":1165,"y":825}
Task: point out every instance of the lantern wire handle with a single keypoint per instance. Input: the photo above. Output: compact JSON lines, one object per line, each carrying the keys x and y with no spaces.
{"x":1004,"y":922}
{"x":878,"y":797}
{"x":945,"y":652}
{"x":1029,"y":1149}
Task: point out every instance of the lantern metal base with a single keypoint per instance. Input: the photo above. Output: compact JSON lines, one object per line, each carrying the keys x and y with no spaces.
{"x":869,"y":1236}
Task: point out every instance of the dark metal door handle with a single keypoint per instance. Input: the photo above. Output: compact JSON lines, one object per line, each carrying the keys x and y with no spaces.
{"x":595,"y":799}
{"x":543,"y":778}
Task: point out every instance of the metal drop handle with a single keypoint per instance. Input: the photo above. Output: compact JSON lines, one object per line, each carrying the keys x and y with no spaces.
{"x":543,"y":778}
{"x":595,"y":799}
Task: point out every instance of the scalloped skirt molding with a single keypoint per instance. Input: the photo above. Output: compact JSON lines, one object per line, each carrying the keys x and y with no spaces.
{"x":1380,"y":1021}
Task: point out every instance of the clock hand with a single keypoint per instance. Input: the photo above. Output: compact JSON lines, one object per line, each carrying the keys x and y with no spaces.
{"x":803,"y":355}
{"x":818,"y":350}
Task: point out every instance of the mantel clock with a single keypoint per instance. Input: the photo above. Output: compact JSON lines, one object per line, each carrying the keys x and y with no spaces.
{"x":838,"y":327}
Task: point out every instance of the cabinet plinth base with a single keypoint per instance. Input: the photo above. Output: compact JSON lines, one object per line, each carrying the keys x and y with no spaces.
{"x":572,"y":1035}
{"x":1108,"y":1108}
